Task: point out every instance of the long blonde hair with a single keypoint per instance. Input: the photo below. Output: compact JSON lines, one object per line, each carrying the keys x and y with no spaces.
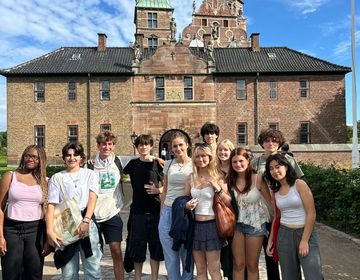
{"x":212,"y":162}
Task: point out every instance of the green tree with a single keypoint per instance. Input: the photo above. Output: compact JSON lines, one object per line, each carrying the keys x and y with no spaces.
{"x":349,"y":132}
{"x":3,"y":138}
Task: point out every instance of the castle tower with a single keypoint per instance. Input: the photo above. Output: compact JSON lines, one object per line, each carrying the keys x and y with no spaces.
{"x":154,"y":22}
{"x":222,"y":19}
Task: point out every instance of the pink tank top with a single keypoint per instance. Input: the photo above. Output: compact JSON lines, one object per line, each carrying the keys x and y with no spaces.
{"x":24,"y":202}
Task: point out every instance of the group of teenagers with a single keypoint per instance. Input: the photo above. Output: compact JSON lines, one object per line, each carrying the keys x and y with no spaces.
{"x":171,"y":213}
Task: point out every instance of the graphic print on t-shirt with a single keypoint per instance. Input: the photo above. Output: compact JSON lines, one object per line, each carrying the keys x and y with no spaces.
{"x":107,"y":180}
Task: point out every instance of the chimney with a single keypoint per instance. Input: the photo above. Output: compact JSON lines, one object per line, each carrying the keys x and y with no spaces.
{"x":139,"y":39}
{"x":101,"y":42}
{"x":255,"y":42}
{"x":206,"y":38}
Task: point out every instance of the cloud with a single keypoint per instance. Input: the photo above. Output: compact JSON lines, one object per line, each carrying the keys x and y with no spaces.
{"x":305,"y":6}
{"x":343,"y":48}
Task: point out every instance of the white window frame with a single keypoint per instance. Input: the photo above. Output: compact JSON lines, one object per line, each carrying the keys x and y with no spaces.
{"x":188,"y":88}
{"x":241,"y":90}
{"x":39,"y":91}
{"x":304,"y":133}
{"x":159,"y":89}
{"x":242,"y":133}
{"x":39,"y":135}
{"x":73,"y":133}
{"x":104,"y":90}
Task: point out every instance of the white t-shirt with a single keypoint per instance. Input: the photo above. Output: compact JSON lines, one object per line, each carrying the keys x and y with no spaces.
{"x":76,"y":184}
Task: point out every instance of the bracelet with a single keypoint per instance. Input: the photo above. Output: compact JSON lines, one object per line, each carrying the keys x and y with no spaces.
{"x":219,"y":191}
{"x":87,"y":218}
{"x":85,"y":222}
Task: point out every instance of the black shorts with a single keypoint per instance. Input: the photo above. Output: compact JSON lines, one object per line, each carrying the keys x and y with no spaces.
{"x":144,"y":231}
{"x":112,"y":229}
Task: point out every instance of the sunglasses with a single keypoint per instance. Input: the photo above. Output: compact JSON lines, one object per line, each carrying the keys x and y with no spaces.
{"x":202,"y":145}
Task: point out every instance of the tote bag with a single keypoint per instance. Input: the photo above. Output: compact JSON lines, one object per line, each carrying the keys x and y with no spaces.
{"x":67,"y":218}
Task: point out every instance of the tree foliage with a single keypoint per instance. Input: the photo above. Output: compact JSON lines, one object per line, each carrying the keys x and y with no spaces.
{"x":336,"y":194}
{"x":349,"y":132}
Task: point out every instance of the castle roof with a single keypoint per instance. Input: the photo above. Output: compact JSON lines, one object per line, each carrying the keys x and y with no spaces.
{"x":153,"y":4}
{"x":118,"y":61}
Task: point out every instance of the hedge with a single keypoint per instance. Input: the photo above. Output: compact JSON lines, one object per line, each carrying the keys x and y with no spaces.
{"x":337,"y":196}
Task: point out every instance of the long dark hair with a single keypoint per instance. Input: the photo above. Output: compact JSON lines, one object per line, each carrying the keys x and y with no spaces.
{"x":290,"y":176}
{"x":39,"y":173}
{"x":232,"y":175}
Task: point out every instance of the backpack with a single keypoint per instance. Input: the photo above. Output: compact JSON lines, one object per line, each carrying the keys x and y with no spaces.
{"x":119,"y":166}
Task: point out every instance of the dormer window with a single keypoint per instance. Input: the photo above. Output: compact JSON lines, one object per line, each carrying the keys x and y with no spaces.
{"x":76,"y":56}
{"x":272,"y":55}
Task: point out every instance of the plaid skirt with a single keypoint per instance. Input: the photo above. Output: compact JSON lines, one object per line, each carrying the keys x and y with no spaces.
{"x":206,"y":237}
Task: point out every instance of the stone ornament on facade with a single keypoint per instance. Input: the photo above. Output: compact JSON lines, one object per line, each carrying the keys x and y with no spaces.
{"x":137,"y":52}
{"x":173,"y":30}
{"x":215,"y":31}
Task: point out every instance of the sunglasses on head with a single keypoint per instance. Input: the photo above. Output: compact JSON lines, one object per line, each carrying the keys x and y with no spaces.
{"x":202,"y":145}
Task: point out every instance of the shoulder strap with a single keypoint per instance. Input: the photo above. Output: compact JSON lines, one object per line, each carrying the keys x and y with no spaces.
{"x":90,"y":166}
{"x":170,"y":165}
{"x":119,"y":166}
{"x":5,"y":206}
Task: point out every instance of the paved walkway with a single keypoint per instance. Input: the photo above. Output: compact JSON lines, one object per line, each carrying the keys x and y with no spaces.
{"x":340,"y":255}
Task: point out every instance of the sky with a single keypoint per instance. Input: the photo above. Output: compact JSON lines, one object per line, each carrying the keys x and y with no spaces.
{"x":31,"y":28}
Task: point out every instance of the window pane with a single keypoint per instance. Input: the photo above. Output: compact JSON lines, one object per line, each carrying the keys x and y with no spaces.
{"x":240,"y":89}
{"x":160,"y":94}
{"x":39,"y":91}
{"x":242,"y":134}
{"x":273,"y":126}
{"x":187,"y":82}
{"x":39,"y":86}
{"x":159,"y":82}
{"x":303,"y":93}
{"x":39,"y":131}
{"x":72,"y":133}
{"x":304,"y":133}
{"x":188,"y":94}
{"x":104,"y":85}
{"x":104,"y":90}
{"x":303,"y":84}
{"x":72,"y":90}
{"x":105,"y":127}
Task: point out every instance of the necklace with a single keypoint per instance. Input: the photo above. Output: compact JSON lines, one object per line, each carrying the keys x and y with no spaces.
{"x":180,"y":166}
{"x":74,"y":180}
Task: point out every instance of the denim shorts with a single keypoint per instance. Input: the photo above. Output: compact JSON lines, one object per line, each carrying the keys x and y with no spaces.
{"x":251,"y":231}
{"x":112,"y":229}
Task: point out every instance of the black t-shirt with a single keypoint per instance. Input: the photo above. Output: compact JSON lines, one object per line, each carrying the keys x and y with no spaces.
{"x":141,"y":173}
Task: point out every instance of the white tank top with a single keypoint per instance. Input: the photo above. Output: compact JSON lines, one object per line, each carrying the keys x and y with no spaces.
{"x":291,"y":207}
{"x":205,"y":198}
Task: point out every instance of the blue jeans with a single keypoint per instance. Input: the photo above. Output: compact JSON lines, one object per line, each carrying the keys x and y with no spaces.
{"x":172,"y":258}
{"x":91,"y":265}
